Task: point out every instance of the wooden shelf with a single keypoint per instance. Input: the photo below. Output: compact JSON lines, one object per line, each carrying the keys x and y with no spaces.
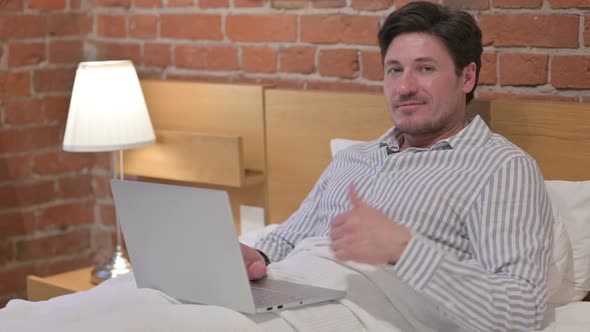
{"x":194,"y":158}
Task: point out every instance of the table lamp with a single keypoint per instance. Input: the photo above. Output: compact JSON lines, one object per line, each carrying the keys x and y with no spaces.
{"x":108,"y":113}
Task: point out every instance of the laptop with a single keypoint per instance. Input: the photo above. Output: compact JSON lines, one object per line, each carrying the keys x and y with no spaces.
{"x":182,"y":241}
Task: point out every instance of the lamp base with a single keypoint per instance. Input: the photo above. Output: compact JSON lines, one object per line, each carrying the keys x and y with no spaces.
{"x":116,"y":266}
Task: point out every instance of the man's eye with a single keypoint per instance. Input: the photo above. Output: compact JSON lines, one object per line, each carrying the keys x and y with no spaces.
{"x":427,"y":68}
{"x":394,"y":70}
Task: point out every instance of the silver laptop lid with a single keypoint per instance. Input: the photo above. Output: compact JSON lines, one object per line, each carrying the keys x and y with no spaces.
{"x":168,"y":229}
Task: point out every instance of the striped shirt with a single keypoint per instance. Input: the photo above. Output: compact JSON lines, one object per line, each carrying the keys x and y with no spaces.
{"x":479,"y":213}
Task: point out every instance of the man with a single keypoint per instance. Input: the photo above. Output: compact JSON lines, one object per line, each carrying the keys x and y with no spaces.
{"x":457,"y":213}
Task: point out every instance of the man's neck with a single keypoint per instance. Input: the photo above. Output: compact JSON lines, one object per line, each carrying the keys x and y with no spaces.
{"x":426,"y":141}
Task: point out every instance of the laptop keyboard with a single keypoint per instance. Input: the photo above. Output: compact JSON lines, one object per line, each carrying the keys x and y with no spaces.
{"x":263,"y":296}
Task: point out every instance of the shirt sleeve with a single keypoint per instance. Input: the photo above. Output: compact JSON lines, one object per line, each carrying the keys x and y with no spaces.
{"x":503,"y":286}
{"x":300,"y":225}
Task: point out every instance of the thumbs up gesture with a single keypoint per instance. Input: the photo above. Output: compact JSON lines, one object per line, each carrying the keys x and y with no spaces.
{"x":365,"y":235}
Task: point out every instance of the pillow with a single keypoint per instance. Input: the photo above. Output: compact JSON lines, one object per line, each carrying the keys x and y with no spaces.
{"x":338,"y":144}
{"x":569,"y":270}
{"x":560,"y":291}
{"x":572,"y":200}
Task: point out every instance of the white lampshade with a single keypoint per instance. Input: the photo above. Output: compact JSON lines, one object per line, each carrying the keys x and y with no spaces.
{"x":107,"y":109}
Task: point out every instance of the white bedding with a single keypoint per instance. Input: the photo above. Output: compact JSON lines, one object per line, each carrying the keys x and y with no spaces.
{"x":376,"y":301}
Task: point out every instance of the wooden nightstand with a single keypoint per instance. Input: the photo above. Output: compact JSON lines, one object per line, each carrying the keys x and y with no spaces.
{"x":44,"y":288}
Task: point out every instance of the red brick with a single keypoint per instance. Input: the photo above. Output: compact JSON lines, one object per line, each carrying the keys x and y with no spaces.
{"x":517,"y":3}
{"x":348,"y":29}
{"x":22,"y":26}
{"x":67,"y":264}
{"x":371,"y":4}
{"x":75,"y":186}
{"x":190,"y":56}
{"x":570,"y":71}
{"x":11,"y":6}
{"x":15,"y":84}
{"x":6,"y":251}
{"x":111,"y":25}
{"x":61,"y":162}
{"x":587,"y":30}
{"x":259,"y":59}
{"x":328,"y":3}
{"x":401,"y":3}
{"x":75,"y":4}
{"x":488,"y":95}
{"x":339,"y":63}
{"x":62,"y":244}
{"x":119,"y":51}
{"x":27,"y":139}
{"x":222,"y":58}
{"x":103,"y":161}
{"x":25,"y":54}
{"x":372,"y":68}
{"x":488,"y":73}
{"x":206,"y":57}
{"x":530,"y":30}
{"x":288,"y":4}
{"x":467,"y":4}
{"x":56,"y":108}
{"x":143,"y":26}
{"x":46,"y":4}
{"x":23,"y":111}
{"x":147,"y":3}
{"x":54,"y":80}
{"x":66,"y":214}
{"x":15,"y":167}
{"x":101,"y":187}
{"x":107,"y":214}
{"x":16,"y":223}
{"x":523,"y":69}
{"x":298,"y":59}
{"x":111,"y":3}
{"x":213,"y":3}
{"x":261,"y":28}
{"x":179,"y":3}
{"x":14,"y":278}
{"x":69,"y":24}
{"x":66,"y":51}
{"x":26,"y":194}
{"x":191,"y":26}
{"x":157,"y":55}
{"x":343,"y":86}
{"x":569,"y":3}
{"x":249,"y":3}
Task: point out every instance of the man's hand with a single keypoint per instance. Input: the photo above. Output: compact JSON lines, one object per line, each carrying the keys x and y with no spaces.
{"x":254,"y":262}
{"x":365,"y":235}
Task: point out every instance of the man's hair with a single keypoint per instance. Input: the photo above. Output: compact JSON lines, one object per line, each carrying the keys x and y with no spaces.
{"x":456,"y":29}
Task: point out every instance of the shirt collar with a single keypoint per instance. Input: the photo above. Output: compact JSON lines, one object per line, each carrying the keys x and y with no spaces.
{"x":475,"y":133}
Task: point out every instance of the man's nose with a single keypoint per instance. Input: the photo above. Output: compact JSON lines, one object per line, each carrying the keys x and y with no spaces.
{"x":407,"y":84}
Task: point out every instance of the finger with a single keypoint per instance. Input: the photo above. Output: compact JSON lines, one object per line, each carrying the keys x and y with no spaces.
{"x":354,"y":198}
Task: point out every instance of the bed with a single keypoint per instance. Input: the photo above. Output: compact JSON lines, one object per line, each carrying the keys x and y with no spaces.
{"x":256,"y":124}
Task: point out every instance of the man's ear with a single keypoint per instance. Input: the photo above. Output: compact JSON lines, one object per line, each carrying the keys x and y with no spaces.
{"x":469,"y":77}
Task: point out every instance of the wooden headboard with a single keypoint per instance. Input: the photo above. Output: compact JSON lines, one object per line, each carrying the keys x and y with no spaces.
{"x":300,"y":124}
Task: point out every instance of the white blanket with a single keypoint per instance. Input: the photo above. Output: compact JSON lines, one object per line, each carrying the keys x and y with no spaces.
{"x":118,"y":305}
{"x":376,"y":301}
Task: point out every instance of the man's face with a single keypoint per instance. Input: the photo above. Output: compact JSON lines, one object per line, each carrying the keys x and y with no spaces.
{"x":424,"y":94}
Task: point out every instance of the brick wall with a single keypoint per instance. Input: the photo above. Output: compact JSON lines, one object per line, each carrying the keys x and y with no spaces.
{"x":533,"y":48}
{"x":55,"y":210}
{"x":52,"y":203}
